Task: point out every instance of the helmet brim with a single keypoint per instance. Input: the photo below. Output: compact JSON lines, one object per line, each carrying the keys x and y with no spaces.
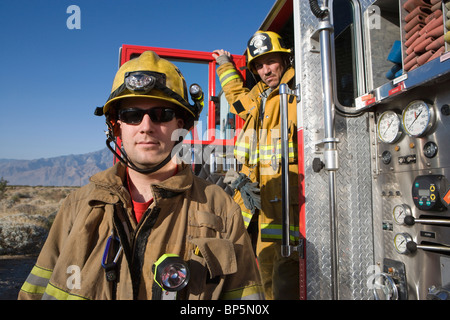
{"x":250,"y":64}
{"x":154,"y":95}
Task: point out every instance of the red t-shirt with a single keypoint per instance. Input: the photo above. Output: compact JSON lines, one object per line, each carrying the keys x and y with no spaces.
{"x":139,"y":208}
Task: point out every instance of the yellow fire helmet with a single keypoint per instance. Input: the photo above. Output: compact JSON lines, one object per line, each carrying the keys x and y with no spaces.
{"x":152,"y":77}
{"x":261,"y":43}
{"x":149,"y":76}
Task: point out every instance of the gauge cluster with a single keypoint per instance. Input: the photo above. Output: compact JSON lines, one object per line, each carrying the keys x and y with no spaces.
{"x":405,"y":135}
{"x":411,"y":183}
{"x":416,"y":120}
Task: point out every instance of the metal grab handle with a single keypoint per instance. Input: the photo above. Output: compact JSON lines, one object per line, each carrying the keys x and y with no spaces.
{"x":286,"y":249}
{"x":330,"y":148}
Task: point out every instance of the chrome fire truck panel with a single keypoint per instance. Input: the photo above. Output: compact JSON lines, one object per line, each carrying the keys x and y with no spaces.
{"x":408,"y":171}
{"x":353,"y":181}
{"x":378,"y":183}
{"x":410,"y":158}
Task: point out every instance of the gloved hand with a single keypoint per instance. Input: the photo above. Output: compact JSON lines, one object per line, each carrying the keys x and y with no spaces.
{"x":221,"y":56}
{"x":249,"y":190}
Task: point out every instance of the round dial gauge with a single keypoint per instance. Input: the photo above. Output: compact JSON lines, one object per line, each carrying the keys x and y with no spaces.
{"x":389,"y":128}
{"x":418,"y":117}
{"x":400,"y":212}
{"x":400,"y":241}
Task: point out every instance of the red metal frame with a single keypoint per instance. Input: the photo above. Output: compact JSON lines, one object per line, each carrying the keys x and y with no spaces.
{"x":194,"y":56}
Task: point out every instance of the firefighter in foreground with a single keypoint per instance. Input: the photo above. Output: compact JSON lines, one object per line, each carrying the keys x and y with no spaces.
{"x":115,"y":237}
{"x":258,"y":148}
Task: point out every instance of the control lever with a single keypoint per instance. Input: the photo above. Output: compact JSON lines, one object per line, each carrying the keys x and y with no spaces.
{"x":412,"y":247}
{"x":410,"y":220}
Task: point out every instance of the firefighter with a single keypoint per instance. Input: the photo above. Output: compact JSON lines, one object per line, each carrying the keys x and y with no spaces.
{"x":258,"y":146}
{"x":113,"y":238}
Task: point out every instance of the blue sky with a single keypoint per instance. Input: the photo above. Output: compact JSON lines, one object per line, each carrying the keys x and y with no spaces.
{"x":52,"y":78}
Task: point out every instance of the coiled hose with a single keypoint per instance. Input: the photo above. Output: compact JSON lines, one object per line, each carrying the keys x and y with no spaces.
{"x":315,"y":8}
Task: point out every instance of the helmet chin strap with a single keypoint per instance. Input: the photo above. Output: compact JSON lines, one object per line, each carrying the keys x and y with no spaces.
{"x":123,"y":157}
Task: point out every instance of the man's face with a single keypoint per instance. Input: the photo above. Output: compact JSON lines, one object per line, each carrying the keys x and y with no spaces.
{"x":148,"y":143}
{"x":270,"y":68}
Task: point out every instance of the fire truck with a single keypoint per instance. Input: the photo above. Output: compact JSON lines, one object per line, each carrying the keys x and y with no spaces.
{"x":373,"y":119}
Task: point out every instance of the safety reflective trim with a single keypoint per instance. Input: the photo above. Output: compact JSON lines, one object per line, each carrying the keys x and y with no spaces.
{"x":227,"y":76}
{"x":248,"y":293}
{"x":245,"y":153}
{"x":52,"y":292}
{"x":274,"y":231}
{"x":247,"y":216}
{"x":267,"y":152}
{"x":229,"y":79}
{"x":33,"y":289}
{"x":264,"y":153}
{"x":37,"y":280}
{"x":240,"y":155}
{"x":41,"y":272}
{"x":241,"y":152}
{"x":241,"y":148}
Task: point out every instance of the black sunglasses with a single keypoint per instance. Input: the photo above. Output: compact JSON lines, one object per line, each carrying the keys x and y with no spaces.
{"x":157,"y":115}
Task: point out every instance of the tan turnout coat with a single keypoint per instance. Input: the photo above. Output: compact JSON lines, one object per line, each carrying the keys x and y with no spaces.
{"x":188,"y":217}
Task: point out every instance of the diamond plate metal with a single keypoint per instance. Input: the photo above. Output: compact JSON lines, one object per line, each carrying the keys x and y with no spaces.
{"x":354,"y":204}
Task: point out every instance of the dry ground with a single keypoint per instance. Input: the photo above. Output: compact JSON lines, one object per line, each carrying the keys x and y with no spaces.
{"x":26,"y":214}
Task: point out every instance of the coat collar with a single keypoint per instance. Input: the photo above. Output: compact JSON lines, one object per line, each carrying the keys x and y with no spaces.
{"x":175,"y":185}
{"x":110,"y":185}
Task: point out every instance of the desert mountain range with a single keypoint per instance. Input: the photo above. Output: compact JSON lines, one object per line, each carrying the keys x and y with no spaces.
{"x":70,"y":170}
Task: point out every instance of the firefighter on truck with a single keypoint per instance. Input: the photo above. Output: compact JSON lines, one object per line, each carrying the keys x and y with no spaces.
{"x":258,"y":149}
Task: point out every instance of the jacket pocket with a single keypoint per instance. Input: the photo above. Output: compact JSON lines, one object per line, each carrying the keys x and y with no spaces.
{"x":219,"y":255}
{"x":206,"y":224}
{"x":211,"y":261}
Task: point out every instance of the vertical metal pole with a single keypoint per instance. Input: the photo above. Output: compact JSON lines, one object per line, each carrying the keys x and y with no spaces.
{"x":285,"y":248}
{"x":330,"y":148}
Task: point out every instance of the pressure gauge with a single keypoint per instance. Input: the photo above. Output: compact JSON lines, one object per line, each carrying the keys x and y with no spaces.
{"x":418,"y":118}
{"x":400,"y":241}
{"x":389,"y":128}
{"x":400,"y":212}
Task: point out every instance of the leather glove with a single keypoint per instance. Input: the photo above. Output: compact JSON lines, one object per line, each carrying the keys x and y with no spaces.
{"x":250,"y":191}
